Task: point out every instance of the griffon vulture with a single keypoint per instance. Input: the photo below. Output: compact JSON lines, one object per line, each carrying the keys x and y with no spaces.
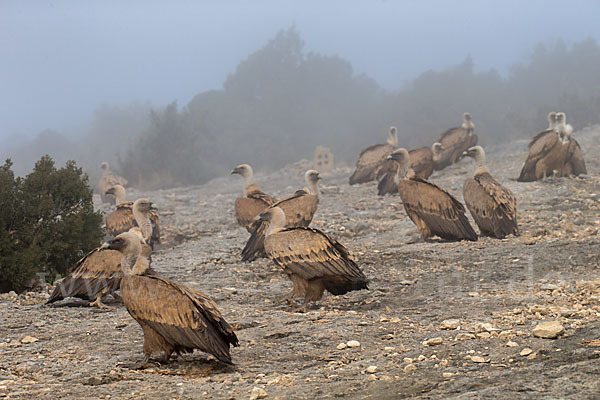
{"x":253,"y":202}
{"x":455,"y":142}
{"x":573,"y":163}
{"x":127,"y":216}
{"x":98,"y":273}
{"x":493,"y":206}
{"x":173,"y":317}
{"x":313,"y":261}
{"x":298,"y":208}
{"x":107,"y":180}
{"x":372,"y":158}
{"x":432,"y":209}
{"x":422,"y":162}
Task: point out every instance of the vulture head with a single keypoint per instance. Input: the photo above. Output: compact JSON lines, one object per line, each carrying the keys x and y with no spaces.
{"x":118,"y":192}
{"x":564,"y":129}
{"x":403,"y":158}
{"x":275,"y":217}
{"x":245,"y":171}
{"x":312,"y":180}
{"x":393,"y":138}
{"x":468,"y":122}
{"x":105,"y":166}
{"x":437,"y":149}
{"x":144,"y":206}
{"x":478,"y":154}
{"x":129,"y":244}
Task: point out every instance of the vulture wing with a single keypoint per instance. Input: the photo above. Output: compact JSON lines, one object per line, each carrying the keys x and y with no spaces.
{"x":369,"y":161}
{"x":438,"y":210}
{"x":184,"y":317}
{"x":311,"y":254}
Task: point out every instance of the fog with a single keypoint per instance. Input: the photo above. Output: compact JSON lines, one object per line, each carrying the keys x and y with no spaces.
{"x":68,"y":66}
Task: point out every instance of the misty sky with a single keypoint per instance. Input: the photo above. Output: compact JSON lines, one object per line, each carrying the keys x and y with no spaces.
{"x":60,"y":60}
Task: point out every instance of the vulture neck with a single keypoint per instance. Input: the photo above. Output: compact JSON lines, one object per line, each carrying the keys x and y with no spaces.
{"x":130,"y":257}
{"x":144,"y":223}
{"x":120,"y":196}
{"x":248,"y":179}
{"x":402,"y":171}
{"x":481,"y":166}
{"x":313,"y":188}
{"x":468,"y":125}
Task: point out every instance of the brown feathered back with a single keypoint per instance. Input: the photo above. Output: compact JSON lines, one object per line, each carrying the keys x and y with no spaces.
{"x":121,"y":220}
{"x":184,"y":318}
{"x":369,"y":162}
{"x":455,"y":141}
{"x":493,"y":206}
{"x":543,"y":158}
{"x":255,"y":202}
{"x":310,"y":254}
{"x":435,"y":211}
{"x":299,"y":210}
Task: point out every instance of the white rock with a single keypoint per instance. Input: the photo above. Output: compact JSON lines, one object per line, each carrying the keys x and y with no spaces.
{"x":433,"y":341}
{"x":548,"y":329}
{"x":410,"y":367}
{"x":464,"y":336}
{"x":526,"y":351}
{"x":421,"y":358}
{"x":257,"y":393}
{"x":29,"y":339}
{"x":450,"y":324}
{"x":407,"y":360}
{"x":371,"y":369}
{"x":342,"y":346}
{"x":447,"y":374}
{"x":512,"y":344}
{"x":478,"y":359}
{"x":353,"y":343}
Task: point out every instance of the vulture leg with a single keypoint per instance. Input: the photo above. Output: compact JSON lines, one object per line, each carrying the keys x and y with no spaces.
{"x":117,"y":297}
{"x":98,"y":302}
{"x":289,"y":298}
{"x":145,"y":363}
{"x":304,"y":306}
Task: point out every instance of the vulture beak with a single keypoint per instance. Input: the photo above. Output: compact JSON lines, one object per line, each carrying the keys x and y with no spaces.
{"x":153,"y":207}
{"x":235,"y":171}
{"x":465,"y":153}
{"x":105,"y":246}
{"x":389,"y":157}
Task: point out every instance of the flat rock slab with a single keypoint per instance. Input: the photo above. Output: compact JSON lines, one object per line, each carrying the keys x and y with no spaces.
{"x":548,"y":330}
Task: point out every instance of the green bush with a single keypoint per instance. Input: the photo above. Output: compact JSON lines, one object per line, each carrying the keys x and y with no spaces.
{"x":47,"y":222}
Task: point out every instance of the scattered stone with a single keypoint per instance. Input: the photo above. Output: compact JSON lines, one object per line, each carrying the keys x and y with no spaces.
{"x":389,"y":348}
{"x":548,"y":329}
{"x":483,"y":335}
{"x":421,"y":358}
{"x":257,"y":393}
{"x":371,"y":369}
{"x":479,"y":359}
{"x":447,"y":374}
{"x":433,"y":341}
{"x":464,"y":336}
{"x":526,"y":351}
{"x":342,"y":346}
{"x":450,"y":324}
{"x":29,"y":339}
{"x":353,"y":343}
{"x":372,"y":378}
{"x":410,"y":367}
{"x":487,"y":327}
{"x":512,"y":344}
{"x":407,"y":360}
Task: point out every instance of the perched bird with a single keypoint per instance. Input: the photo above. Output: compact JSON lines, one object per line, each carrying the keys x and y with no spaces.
{"x":553,"y":152}
{"x":313,"y":261}
{"x":372,"y":158}
{"x":127,"y":214}
{"x":107,"y":180}
{"x":253,"y":201}
{"x":432,"y":209}
{"x":573,"y":163}
{"x":422,"y":162}
{"x":97,"y":274}
{"x":455,"y":142}
{"x":173,"y":317}
{"x":299,"y":210}
{"x":493,"y":206}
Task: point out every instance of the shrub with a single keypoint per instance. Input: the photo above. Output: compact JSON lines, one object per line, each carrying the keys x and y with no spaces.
{"x":47,"y":222}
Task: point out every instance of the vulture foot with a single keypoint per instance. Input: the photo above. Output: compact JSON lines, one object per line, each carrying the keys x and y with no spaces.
{"x":289,"y":298}
{"x":98,"y":303}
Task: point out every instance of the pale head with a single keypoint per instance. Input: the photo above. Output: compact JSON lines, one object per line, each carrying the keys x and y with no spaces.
{"x":393,"y":137}
{"x":143,"y":206}
{"x":118,"y":191}
{"x":468,"y":122}
{"x":402,"y":156}
{"x":245,"y":171}
{"x":478,"y":154}
{"x":312,"y":180}
{"x":104,"y":166}
{"x":437,"y":149}
{"x":129,"y":244}
{"x":275,"y":217}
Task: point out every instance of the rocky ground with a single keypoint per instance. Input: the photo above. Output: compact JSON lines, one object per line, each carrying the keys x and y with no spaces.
{"x":441,"y":320}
